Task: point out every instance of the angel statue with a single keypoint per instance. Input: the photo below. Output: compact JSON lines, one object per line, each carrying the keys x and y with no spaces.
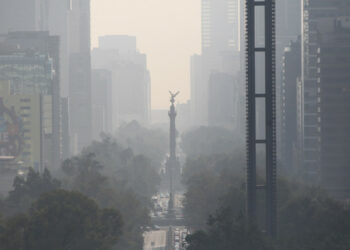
{"x":172,"y":99}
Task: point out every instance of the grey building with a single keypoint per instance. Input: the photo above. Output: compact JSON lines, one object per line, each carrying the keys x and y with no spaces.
{"x":102,"y":107}
{"x":18,"y":48}
{"x":22,"y":15}
{"x":40,"y":15}
{"x":130,"y":77}
{"x":221,"y":45}
{"x":323,"y":121}
{"x":70,"y":21}
{"x":30,"y":60}
{"x":65,"y":128}
{"x":80,"y":75}
{"x":291,"y":73}
{"x":220,"y":25}
{"x":222,"y":100}
{"x":334,"y":105}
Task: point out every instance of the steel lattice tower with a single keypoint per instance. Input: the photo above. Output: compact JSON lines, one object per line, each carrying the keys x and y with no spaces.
{"x":266,"y":49}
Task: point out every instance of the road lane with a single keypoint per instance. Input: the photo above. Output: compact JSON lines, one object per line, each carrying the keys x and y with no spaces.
{"x":155,"y":240}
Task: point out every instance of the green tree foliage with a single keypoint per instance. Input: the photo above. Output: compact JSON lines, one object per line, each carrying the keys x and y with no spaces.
{"x":86,"y":175}
{"x":131,"y":171}
{"x":210,"y":140}
{"x":308,"y":218}
{"x":27,"y":190}
{"x":63,"y":220}
{"x":212,"y":182}
{"x":152,"y":143}
{"x":312,"y":220}
{"x":228,"y":231}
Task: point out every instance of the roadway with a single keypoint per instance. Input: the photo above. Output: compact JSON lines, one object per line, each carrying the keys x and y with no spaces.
{"x":155,"y":240}
{"x":169,"y":234}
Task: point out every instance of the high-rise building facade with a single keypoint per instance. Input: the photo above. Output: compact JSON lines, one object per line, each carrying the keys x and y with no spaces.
{"x":334,"y":105}
{"x":40,"y":15}
{"x":220,"y":25}
{"x":130,"y":78}
{"x":27,"y":89}
{"x":80,"y":75}
{"x":291,"y":73}
{"x":70,"y":21}
{"x":221,"y":45}
{"x":324,"y":81}
{"x":101,"y":102}
{"x":22,"y":128}
{"x":22,"y":15}
{"x":66,"y":140}
{"x":222,"y":100}
{"x":30,"y":60}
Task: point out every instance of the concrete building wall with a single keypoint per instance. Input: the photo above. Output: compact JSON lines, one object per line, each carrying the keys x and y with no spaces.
{"x":334,"y":104}
{"x":291,"y":72}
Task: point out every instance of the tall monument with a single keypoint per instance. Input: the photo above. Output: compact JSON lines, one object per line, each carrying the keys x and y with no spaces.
{"x":172,"y":162}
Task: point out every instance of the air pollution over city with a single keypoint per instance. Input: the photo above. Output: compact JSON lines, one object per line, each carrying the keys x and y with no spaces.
{"x":174,"y":125}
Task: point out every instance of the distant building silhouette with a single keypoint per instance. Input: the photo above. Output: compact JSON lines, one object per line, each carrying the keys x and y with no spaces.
{"x":80,"y":74}
{"x":101,"y":102}
{"x":131,"y":80}
{"x":66,"y":140}
{"x":222,"y":100}
{"x":291,"y":73}
{"x":220,"y":53}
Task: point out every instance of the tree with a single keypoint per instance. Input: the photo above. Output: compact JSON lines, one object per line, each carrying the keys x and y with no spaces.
{"x":312,"y":220}
{"x":140,"y":176}
{"x":12,"y":232}
{"x":308,"y":218}
{"x":133,"y":171}
{"x":209,"y":141}
{"x":212,"y":182}
{"x":152,"y":143}
{"x":63,"y":220}
{"x":27,"y":190}
{"x":86,"y":175}
{"x":228,"y":231}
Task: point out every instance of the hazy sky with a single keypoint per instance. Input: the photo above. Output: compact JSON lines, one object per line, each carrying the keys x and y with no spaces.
{"x":168,"y":31}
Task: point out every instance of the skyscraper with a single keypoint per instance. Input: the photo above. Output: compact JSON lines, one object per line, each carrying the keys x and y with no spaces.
{"x":220,"y":52}
{"x":70,"y":21}
{"x":130,"y":76}
{"x":291,"y":72}
{"x":334,"y":105}
{"x":40,"y":15}
{"x":222,"y":100}
{"x":30,"y":61}
{"x":80,"y":75}
{"x":220,"y":25}
{"x":101,"y":102}
{"x":22,"y":15}
{"x":325,"y":79}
